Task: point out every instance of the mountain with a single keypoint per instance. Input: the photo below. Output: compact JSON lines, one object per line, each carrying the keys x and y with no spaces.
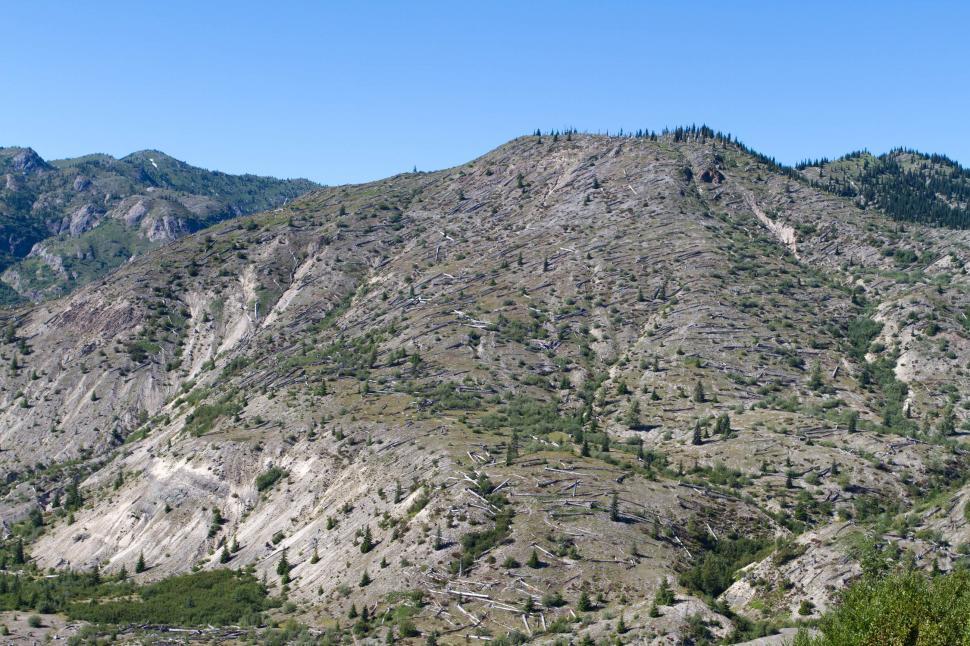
{"x":648,"y":388}
{"x":905,"y":184}
{"x":67,"y":222}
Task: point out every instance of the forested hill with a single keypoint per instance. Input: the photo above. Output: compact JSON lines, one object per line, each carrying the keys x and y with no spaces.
{"x":66,"y":222}
{"x":905,"y":184}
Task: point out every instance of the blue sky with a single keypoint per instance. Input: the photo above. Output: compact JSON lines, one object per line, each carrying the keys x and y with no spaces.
{"x":352,"y":91}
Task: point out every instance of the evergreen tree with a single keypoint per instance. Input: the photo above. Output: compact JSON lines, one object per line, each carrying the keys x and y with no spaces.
{"x":225,"y":557}
{"x":605,"y":443}
{"x":633,"y":415}
{"x":367,"y":543}
{"x":584,"y":604}
{"x":283,"y":566}
{"x":584,"y":451}
{"x":365,"y":580}
{"x":696,"y":440}
{"x":73,"y":499}
{"x":722,"y":426}
{"x":665,"y":594}
{"x":512,"y":449}
{"x":615,"y":508}
{"x":699,"y":396}
{"x":853,"y":421}
{"x":140,"y":564}
{"x":534,"y":561}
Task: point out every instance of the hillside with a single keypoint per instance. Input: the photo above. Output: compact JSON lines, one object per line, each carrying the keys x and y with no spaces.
{"x":67,"y":222}
{"x":904,"y":184}
{"x":517,"y":395}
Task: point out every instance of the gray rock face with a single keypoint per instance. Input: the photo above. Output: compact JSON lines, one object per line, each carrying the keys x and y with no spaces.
{"x":133,"y":214}
{"x":81,"y":183}
{"x":83,"y":219}
{"x":27,"y":161}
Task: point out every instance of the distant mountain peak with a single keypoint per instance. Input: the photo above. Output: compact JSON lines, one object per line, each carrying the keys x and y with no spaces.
{"x":23,"y":160}
{"x":73,"y":209}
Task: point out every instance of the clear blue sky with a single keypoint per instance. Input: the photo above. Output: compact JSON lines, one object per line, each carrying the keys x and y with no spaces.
{"x":352,"y":91}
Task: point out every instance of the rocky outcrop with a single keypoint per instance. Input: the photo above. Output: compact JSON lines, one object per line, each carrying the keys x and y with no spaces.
{"x":27,"y":162}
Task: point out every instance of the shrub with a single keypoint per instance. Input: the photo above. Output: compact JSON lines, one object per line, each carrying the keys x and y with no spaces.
{"x":268,"y":478}
{"x":217,"y":597}
{"x":904,"y":608}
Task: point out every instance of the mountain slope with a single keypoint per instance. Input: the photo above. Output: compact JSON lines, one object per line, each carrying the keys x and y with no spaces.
{"x":577,"y":365}
{"x":905,"y":184}
{"x":67,"y":222}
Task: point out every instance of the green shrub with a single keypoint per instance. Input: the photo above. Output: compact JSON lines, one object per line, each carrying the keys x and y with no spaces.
{"x":205,"y":416}
{"x":906,"y":608}
{"x":268,"y":478}
{"x":218,"y":597}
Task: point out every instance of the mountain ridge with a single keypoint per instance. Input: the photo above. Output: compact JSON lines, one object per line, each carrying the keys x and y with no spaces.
{"x":69,"y":221}
{"x":576,"y":364}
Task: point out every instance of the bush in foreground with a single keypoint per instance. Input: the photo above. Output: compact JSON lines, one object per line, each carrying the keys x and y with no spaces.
{"x":910,"y":608}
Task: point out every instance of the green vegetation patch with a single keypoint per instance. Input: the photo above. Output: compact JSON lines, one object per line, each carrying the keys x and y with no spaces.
{"x":219,"y":598}
{"x":268,"y":478}
{"x":714,"y":573}
{"x":530,"y":417}
{"x":204,"y":417}
{"x":903,"y":608}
